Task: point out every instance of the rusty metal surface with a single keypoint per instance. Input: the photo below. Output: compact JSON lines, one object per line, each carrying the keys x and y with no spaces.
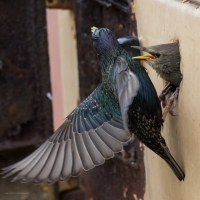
{"x":118,"y":178}
{"x":24,"y":74}
{"x":122,"y":5}
{"x":76,"y":194}
{"x":90,"y":13}
{"x":61,"y":4}
{"x":18,"y":191}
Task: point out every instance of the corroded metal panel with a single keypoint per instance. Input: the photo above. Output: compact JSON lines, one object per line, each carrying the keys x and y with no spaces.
{"x":90,"y":13}
{"x":118,"y":178}
{"x":26,"y":116}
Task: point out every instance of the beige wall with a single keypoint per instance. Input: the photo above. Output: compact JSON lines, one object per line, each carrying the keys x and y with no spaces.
{"x":63,"y":63}
{"x":69,"y":60}
{"x":55,"y":66}
{"x":162,"y":21}
{"x":64,"y":70}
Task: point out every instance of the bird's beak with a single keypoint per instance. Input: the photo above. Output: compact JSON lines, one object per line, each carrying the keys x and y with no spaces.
{"x":145,"y":57}
{"x":93,"y":29}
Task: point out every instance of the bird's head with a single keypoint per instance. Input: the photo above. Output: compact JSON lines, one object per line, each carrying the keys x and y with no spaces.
{"x":160,"y":56}
{"x":104,"y":41}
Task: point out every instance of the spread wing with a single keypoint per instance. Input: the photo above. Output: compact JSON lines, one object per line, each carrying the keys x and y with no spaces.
{"x":87,"y":137}
{"x":127,"y":86}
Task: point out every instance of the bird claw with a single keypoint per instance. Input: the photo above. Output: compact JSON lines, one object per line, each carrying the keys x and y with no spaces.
{"x":174,"y":96}
{"x":171,"y":112}
{"x":168,"y":107}
{"x":163,"y":94}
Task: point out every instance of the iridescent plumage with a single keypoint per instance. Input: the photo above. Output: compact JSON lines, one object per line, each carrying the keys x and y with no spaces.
{"x":125,"y":102}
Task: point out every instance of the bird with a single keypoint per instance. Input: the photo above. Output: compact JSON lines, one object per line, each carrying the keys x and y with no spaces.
{"x":165,"y":60}
{"x":127,"y":42}
{"x":124,"y":103}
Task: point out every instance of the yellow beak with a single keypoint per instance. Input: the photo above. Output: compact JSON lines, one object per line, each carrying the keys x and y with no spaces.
{"x":93,"y":29}
{"x":145,"y":57}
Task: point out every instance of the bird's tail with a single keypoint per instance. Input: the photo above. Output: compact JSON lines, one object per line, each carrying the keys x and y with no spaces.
{"x":173,"y":165}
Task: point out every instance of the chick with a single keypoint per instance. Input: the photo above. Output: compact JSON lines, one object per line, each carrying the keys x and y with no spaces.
{"x":165,"y":60}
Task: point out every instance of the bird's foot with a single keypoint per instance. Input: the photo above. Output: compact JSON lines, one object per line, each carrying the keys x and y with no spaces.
{"x":163,"y":94}
{"x":168,"y":107}
{"x":171,"y":112}
{"x":174,"y":96}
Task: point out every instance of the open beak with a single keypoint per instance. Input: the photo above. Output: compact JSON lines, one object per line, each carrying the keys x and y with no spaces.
{"x":93,"y":29}
{"x":145,"y":57}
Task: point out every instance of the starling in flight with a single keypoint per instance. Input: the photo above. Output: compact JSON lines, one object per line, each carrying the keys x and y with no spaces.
{"x":124,"y":103}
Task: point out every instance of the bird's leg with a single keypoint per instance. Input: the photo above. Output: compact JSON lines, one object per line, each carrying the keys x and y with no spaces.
{"x":171,"y":112}
{"x":173,"y":97}
{"x":164,"y":92}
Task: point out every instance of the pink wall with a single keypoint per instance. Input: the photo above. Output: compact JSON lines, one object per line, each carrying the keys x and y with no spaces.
{"x":54,"y":56}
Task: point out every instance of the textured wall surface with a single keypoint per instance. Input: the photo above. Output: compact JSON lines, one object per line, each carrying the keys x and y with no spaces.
{"x":24,"y":74}
{"x":161,"y":21}
{"x":26,"y":114}
{"x":90,"y":13}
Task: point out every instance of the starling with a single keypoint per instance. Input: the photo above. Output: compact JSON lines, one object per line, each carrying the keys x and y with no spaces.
{"x":125,"y":102}
{"x":165,"y":60}
{"x":127,"y":43}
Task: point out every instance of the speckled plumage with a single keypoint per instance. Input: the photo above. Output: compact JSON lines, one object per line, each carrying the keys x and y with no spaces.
{"x":125,"y":102}
{"x":144,"y":114}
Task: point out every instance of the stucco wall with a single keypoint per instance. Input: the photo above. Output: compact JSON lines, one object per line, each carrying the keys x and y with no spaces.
{"x":162,"y":21}
{"x":63,"y":63}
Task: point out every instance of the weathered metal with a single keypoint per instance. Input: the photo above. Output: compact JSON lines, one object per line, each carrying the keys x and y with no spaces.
{"x":26,"y":115}
{"x":91,"y":13}
{"x":61,"y":4}
{"x":118,"y":178}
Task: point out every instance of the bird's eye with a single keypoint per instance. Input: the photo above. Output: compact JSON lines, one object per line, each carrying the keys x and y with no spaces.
{"x":157,"y":55}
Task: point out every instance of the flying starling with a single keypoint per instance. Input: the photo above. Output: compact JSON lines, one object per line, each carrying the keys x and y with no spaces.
{"x":165,"y":60}
{"x":125,"y":102}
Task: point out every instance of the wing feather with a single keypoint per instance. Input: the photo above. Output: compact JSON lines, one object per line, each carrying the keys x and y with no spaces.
{"x":95,"y":155}
{"x":113,"y":144}
{"x":105,"y":151}
{"x":46,"y":170}
{"x":84,"y":156}
{"x":38,"y":167}
{"x":77,"y":166}
{"x":67,"y":163}
{"x":127,"y":85}
{"x":57,"y":167}
{"x":30,"y":165}
{"x":114,"y":132}
{"x":88,"y":136}
{"x":22,"y":164}
{"x":116,"y":124}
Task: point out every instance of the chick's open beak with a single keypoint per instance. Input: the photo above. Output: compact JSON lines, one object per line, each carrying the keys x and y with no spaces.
{"x":145,"y":57}
{"x":93,"y":29}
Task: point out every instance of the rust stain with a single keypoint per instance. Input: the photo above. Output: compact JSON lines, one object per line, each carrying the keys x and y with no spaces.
{"x":125,"y":191}
{"x":135,"y":197}
{"x":12,"y":108}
